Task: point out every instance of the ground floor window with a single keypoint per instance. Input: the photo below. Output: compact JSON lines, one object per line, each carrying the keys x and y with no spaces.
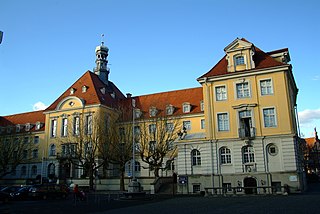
{"x":196,"y":188}
{"x":227,"y":187}
{"x":276,"y":186}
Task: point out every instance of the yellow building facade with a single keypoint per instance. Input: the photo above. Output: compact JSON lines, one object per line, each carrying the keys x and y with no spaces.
{"x":238,"y":129}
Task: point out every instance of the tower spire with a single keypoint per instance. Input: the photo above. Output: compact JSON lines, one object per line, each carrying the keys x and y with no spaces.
{"x":101,"y":68}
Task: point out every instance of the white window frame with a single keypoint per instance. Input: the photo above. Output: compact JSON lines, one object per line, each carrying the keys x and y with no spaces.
{"x":274,"y":116}
{"x":238,"y":56}
{"x":219,"y":93}
{"x":201,"y":105}
{"x":53,"y":130}
{"x":268,"y":88}
{"x":243,"y":90}
{"x":169,"y":109}
{"x":186,"y":107}
{"x":76,"y":125}
{"x":89,"y":125}
{"x":225,"y":126}
{"x":195,"y":157}
{"x":187,"y":124}
{"x":203,"y":124}
{"x":64,"y":127}
{"x":153,"y":111}
{"x":248,"y":156}
{"x":169,"y":127}
{"x":225,"y":155}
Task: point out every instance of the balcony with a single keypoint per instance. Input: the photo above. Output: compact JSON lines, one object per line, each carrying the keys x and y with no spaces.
{"x":249,"y":133}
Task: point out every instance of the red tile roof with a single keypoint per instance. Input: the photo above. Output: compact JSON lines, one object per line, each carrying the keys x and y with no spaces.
{"x":93,"y":95}
{"x":23,"y":118}
{"x":175,"y":98}
{"x":310,"y":141}
{"x":261,"y":59}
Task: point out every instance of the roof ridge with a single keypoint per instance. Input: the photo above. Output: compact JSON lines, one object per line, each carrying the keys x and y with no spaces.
{"x":167,"y":92}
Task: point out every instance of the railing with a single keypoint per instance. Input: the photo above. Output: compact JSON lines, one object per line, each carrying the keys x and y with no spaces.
{"x":247,"y":134}
{"x":215,"y":191}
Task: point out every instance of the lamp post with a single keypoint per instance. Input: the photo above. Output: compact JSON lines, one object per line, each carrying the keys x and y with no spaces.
{"x":134,"y":185}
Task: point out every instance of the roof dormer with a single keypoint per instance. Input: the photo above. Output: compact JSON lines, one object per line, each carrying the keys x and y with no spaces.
{"x":240,"y":55}
{"x":153,"y":111}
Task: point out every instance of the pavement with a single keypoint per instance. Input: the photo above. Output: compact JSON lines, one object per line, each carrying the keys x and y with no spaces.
{"x":111,"y":203}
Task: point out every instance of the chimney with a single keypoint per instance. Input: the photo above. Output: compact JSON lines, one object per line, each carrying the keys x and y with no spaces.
{"x":129,"y":95}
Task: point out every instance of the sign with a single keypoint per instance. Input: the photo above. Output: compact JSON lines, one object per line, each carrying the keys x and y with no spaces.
{"x":183,"y":179}
{"x":293,"y":178}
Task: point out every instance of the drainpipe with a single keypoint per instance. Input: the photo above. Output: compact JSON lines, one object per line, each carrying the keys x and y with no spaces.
{"x":266,"y":163}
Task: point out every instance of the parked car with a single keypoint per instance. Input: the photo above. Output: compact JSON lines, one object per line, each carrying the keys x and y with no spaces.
{"x":10,"y":189}
{"x":4,"y":197}
{"x":45,"y":191}
{"x":21,"y":194}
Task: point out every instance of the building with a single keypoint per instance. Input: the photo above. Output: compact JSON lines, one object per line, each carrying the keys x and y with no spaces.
{"x":312,"y":156}
{"x":237,"y":130}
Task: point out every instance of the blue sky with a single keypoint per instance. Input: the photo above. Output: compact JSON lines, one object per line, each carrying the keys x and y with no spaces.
{"x":155,"y":46}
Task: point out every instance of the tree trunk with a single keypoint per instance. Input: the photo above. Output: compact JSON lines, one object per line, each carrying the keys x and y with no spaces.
{"x":156,"y":172}
{"x":91,"y":179}
{"x":122,"y":187}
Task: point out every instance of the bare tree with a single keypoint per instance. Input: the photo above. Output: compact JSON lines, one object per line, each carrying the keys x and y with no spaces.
{"x":156,"y":141}
{"x":84,"y":143}
{"x":15,"y":149}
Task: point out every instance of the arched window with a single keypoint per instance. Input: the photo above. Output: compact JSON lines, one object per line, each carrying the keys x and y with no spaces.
{"x":51,"y":169}
{"x":195,"y":157}
{"x":52,"y":151}
{"x":128,"y":167}
{"x":225,"y":155}
{"x":248,"y":154}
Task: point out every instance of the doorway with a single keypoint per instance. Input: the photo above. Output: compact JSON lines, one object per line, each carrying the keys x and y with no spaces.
{"x":251,"y":184}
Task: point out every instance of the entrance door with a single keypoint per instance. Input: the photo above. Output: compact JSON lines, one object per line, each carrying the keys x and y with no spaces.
{"x":252,"y":184}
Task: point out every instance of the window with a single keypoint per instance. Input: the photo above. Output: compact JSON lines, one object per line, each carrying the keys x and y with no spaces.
{"x":137,"y":113}
{"x":195,"y":157}
{"x":137,"y":166}
{"x":52,"y":151}
{"x":169,"y":110}
{"x":272,"y":149}
{"x":122,"y":133}
{"x":227,"y":187}
{"x":201,"y":105}
{"x":170,"y":165}
{"x":152,"y":128}
{"x":84,"y":89}
{"x":23,"y":171}
{"x":195,"y":188}
{"x":28,"y":126}
{"x":239,"y":60}
{"x":36,"y":139}
{"x":25,"y":154}
{"x":38,"y":125}
{"x":169,"y":127}
{"x":186,"y":107}
{"x":18,"y":127}
{"x":153,"y":111}
{"x":68,"y":149}
{"x":89,"y":124}
{"x":248,"y":154}
{"x":53,"y":128}
{"x":221,"y":93}
{"x":223,"y":122}
{"x":152,"y":146}
{"x":33,"y":170}
{"x":202,"y":124}
{"x":35,"y":153}
{"x":266,"y":87}
{"x":76,"y":125}
{"x":64,"y":131}
{"x":225,"y":155}
{"x":243,"y":90}
{"x":26,"y":140}
{"x":137,"y":130}
{"x":269,"y":117}
{"x":187,"y":125}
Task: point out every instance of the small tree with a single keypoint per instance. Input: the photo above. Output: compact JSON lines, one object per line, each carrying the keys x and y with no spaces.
{"x":14,"y":150}
{"x":156,"y":141}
